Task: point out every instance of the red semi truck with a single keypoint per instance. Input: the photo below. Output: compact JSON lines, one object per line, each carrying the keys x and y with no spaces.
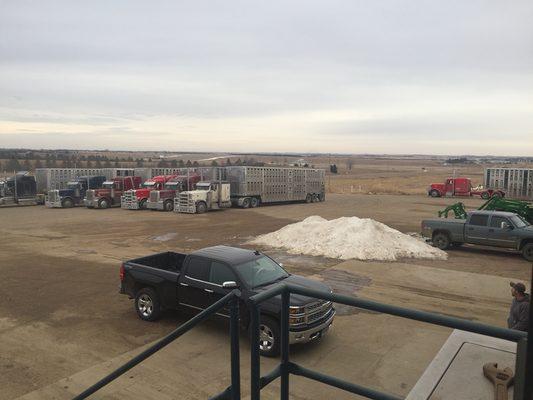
{"x":111,"y":192}
{"x":461,"y":187}
{"x":164,"y":199}
{"x":137,"y":199}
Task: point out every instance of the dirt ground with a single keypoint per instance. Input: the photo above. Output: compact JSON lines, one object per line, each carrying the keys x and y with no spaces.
{"x":61,"y":315}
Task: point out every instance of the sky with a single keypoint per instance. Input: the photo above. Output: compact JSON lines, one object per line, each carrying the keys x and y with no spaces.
{"x":385,"y":76}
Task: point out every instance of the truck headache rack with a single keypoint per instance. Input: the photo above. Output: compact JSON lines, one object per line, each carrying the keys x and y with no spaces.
{"x":523,"y":381}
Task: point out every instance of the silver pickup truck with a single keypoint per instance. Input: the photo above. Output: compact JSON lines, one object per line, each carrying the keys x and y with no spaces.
{"x":488,"y":228}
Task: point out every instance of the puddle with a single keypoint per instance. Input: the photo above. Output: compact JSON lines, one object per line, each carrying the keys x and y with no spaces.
{"x":345,"y":283}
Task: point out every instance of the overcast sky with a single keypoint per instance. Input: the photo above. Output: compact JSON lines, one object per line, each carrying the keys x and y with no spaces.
{"x":372,"y":76}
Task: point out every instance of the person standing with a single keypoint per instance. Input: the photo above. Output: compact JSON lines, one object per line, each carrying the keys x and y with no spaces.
{"x":519,"y":313}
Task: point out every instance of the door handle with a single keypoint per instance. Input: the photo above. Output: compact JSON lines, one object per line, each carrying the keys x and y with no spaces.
{"x":208,"y":290}
{"x":184,"y":284}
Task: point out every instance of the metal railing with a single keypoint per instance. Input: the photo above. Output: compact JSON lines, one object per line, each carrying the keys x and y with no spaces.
{"x":232,"y":392}
{"x":522,"y":382}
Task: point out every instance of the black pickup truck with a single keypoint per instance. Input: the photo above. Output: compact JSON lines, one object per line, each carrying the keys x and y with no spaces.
{"x":197,"y":280}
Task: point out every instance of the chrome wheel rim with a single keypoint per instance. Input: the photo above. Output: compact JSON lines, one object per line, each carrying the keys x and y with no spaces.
{"x":145,"y":305}
{"x":266,"y":338}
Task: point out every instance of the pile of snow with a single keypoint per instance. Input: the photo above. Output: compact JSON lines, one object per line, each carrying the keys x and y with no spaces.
{"x":347,"y":238}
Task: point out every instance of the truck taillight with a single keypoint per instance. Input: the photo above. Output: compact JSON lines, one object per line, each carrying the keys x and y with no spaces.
{"x":121,"y":273}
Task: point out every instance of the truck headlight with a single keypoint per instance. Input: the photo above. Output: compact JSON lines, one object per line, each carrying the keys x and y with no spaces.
{"x":296,"y":310}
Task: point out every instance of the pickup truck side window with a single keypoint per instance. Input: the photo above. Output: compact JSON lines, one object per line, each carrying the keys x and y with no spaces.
{"x":479,"y":220}
{"x":198,"y":268}
{"x":496,"y":222}
{"x":220,"y":273}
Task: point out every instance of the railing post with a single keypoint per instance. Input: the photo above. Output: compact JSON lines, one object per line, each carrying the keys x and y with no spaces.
{"x":285,"y":302}
{"x":254,"y":352}
{"x":520,"y":370}
{"x":235,"y":354}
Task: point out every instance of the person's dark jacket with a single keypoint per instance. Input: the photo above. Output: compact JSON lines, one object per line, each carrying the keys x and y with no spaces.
{"x":519,"y":314}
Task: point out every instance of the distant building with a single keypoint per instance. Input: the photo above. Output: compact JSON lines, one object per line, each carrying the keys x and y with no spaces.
{"x":516,"y":182}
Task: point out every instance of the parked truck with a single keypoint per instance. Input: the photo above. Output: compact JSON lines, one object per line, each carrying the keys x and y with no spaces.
{"x":137,"y":199}
{"x":251,"y":186}
{"x":195,"y":281}
{"x":461,"y":187}
{"x":489,"y":228}
{"x":74,"y":194}
{"x":111,"y":192}
{"x":164,"y":199}
{"x":20,"y":189}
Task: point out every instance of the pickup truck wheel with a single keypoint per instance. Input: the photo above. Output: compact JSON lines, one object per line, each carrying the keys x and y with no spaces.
{"x":103,"y":203}
{"x":168,"y":205}
{"x":269,"y":337}
{"x":142,"y":204}
{"x":434,"y":193}
{"x":527,"y":251}
{"x":67,"y":203}
{"x":147,"y":304}
{"x":441,"y":241}
{"x":201,"y":208}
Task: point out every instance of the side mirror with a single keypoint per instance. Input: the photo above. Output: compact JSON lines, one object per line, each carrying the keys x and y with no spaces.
{"x":230,"y":285}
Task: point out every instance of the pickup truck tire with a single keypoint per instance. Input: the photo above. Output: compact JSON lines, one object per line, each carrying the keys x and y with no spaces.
{"x":147,"y":304}
{"x":441,"y":240}
{"x":527,"y":251}
{"x":269,"y":337}
{"x":103,"y":203}
{"x":434,"y":193}
{"x":67,"y":203}
{"x":168,"y":205}
{"x":201,"y":207}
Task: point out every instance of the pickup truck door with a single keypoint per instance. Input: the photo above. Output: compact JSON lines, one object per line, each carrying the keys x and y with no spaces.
{"x":219,"y":274}
{"x":194,"y":290}
{"x":477,"y":229}
{"x":501,"y":236}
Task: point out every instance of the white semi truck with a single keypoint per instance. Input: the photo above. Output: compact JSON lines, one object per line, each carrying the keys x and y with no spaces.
{"x":251,"y":186}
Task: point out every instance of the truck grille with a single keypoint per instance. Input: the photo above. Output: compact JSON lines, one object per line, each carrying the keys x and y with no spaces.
{"x":318,"y":310}
{"x":53,"y":195}
{"x":184,"y":203}
{"x":129,"y":200}
{"x":154,"y":196}
{"x":89,"y":195}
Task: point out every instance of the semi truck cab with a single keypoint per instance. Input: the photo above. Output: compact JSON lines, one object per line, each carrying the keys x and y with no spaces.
{"x":207,"y":196}
{"x":111,"y":192}
{"x":164,"y":199}
{"x":75,"y":192}
{"x":137,"y":199}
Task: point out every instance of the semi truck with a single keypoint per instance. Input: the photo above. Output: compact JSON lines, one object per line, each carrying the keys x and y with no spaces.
{"x":111,"y":192}
{"x":252,"y":186}
{"x":20,"y":189}
{"x":74,"y":194}
{"x":461,"y":187}
{"x":137,"y":199}
{"x":195,"y":281}
{"x":164,"y":199}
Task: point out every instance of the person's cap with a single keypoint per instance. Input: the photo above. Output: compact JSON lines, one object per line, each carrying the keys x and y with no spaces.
{"x":519,"y":287}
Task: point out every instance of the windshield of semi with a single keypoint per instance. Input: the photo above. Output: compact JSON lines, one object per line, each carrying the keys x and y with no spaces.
{"x":261,"y":271}
{"x":72,"y":185}
{"x":202,"y":187}
{"x":108,"y":185}
{"x":518,"y":221}
{"x":148,"y":184}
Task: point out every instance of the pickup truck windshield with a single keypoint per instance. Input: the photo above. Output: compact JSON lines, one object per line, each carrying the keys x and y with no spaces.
{"x":518,"y":221}
{"x":261,"y":271}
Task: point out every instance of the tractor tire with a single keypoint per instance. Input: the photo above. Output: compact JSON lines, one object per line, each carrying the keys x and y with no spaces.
{"x":527,"y":251}
{"x":142,"y":204}
{"x":441,"y":241}
{"x":201,"y":207}
{"x":103,"y":203}
{"x":168,"y":205}
{"x":254,"y":202}
{"x":67,"y":203}
{"x":434,"y":193}
{"x":246,"y":202}
{"x":147,"y":304}
{"x":485,"y":195}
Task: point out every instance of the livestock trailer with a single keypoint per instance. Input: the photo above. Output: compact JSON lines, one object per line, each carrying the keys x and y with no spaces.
{"x":516,"y":182}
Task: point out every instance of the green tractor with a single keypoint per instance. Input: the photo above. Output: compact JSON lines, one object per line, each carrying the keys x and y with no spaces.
{"x":522,"y":208}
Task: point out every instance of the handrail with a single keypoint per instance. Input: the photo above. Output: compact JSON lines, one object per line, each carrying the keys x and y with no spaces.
{"x":233,"y":391}
{"x":522,"y":381}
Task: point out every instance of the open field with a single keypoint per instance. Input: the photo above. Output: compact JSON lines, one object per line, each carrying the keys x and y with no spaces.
{"x":63,"y":323}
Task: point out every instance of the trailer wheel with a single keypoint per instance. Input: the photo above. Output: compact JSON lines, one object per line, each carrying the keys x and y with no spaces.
{"x":142,"y":204}
{"x":168,"y":205}
{"x":246,"y":202}
{"x":496,"y":194}
{"x":527,"y":251}
{"x":254,"y":202}
{"x":67,"y":203}
{"x":201,"y":207}
{"x":308,"y":198}
{"x":321,"y":197}
{"x":434,"y":193}
{"x":147,"y":304}
{"x":441,"y":240}
{"x":485,"y":195}
{"x":103,"y":203}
